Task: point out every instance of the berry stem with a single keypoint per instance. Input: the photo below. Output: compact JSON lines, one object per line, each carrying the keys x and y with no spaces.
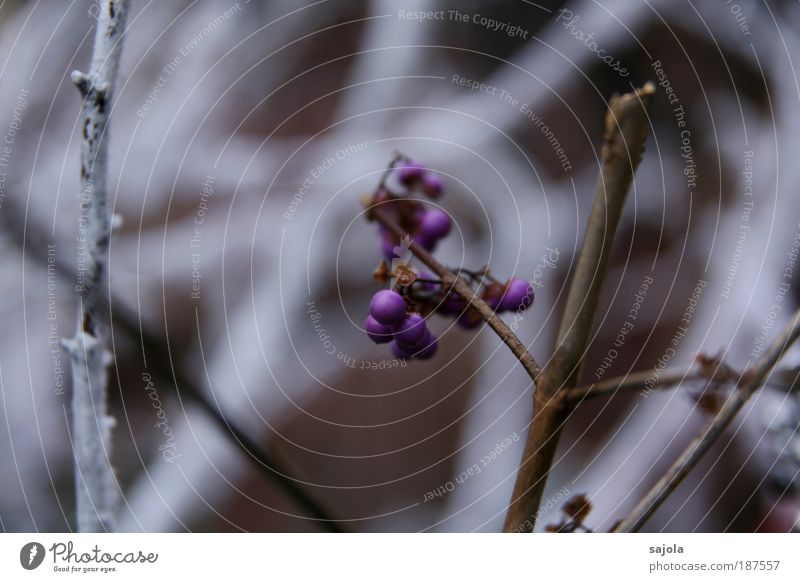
{"x":462,"y":288}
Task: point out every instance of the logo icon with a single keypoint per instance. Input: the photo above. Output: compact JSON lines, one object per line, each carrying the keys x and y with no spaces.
{"x":31,"y":555}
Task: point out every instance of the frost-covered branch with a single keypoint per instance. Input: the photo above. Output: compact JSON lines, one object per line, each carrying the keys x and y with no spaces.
{"x":94,"y":475}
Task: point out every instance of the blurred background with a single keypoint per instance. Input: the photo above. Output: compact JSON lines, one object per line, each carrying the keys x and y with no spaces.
{"x":243,"y":137}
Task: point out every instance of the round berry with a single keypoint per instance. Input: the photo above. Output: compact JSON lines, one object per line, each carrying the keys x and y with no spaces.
{"x":492,"y":295}
{"x":400,"y":352}
{"x":411,"y":330}
{"x":427,"y":243}
{"x":432,"y":185}
{"x":429,"y":348}
{"x":387,"y":249}
{"x":387,"y":307}
{"x":518,"y":295}
{"x":470,"y":319}
{"x":435,"y":224}
{"x":452,"y":304}
{"x":377,"y":332}
{"x":410,"y":172}
{"x":426,"y":287}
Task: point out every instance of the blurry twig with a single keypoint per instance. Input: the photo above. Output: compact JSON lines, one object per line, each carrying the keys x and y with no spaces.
{"x":752,"y":379}
{"x":624,"y":140}
{"x":711,"y":370}
{"x":30,"y":237}
{"x":95,"y":484}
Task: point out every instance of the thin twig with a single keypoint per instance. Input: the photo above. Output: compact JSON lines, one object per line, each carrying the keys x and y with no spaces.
{"x":637,"y":381}
{"x":96,"y":487}
{"x":752,"y":379}
{"x":624,"y":140}
{"x":461,"y":287}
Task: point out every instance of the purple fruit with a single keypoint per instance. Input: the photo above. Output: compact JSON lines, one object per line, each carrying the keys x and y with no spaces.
{"x":432,"y":185}
{"x":387,"y":249}
{"x":429,"y":349}
{"x":492,"y":295}
{"x":400,"y":352}
{"x":387,"y":307}
{"x":435,"y":224}
{"x":452,"y":304}
{"x":410,"y":331}
{"x":518,"y":295}
{"x":427,"y":287}
{"x":427,"y":243}
{"x":470,"y":319}
{"x":409,"y":172}
{"x":377,"y":332}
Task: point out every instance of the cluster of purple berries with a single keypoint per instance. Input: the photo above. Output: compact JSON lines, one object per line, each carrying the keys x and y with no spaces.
{"x":426,"y":225}
{"x":515,"y":295}
{"x":388,"y":322}
{"x":400,"y":316}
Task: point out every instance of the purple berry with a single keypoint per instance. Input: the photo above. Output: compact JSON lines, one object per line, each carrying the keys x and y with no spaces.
{"x":409,"y":172}
{"x":452,"y":304}
{"x":426,"y":287}
{"x":427,"y":243}
{"x":400,"y":352}
{"x":432,"y":185}
{"x":435,"y":224}
{"x":387,"y":307}
{"x":387,"y":249}
{"x":518,"y":295}
{"x":411,"y":330}
{"x":470,"y":319}
{"x":429,"y":348}
{"x":492,"y":295}
{"x":377,"y":332}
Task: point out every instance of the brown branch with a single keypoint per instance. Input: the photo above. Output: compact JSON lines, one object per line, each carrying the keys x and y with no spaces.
{"x":750,"y":382}
{"x":462,"y":288}
{"x":637,"y":381}
{"x":624,"y":140}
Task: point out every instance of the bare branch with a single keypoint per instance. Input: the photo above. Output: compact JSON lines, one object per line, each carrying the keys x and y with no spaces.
{"x":94,"y":475}
{"x":636,"y":381}
{"x":624,"y":140}
{"x":750,"y":382}
{"x":170,"y":372}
